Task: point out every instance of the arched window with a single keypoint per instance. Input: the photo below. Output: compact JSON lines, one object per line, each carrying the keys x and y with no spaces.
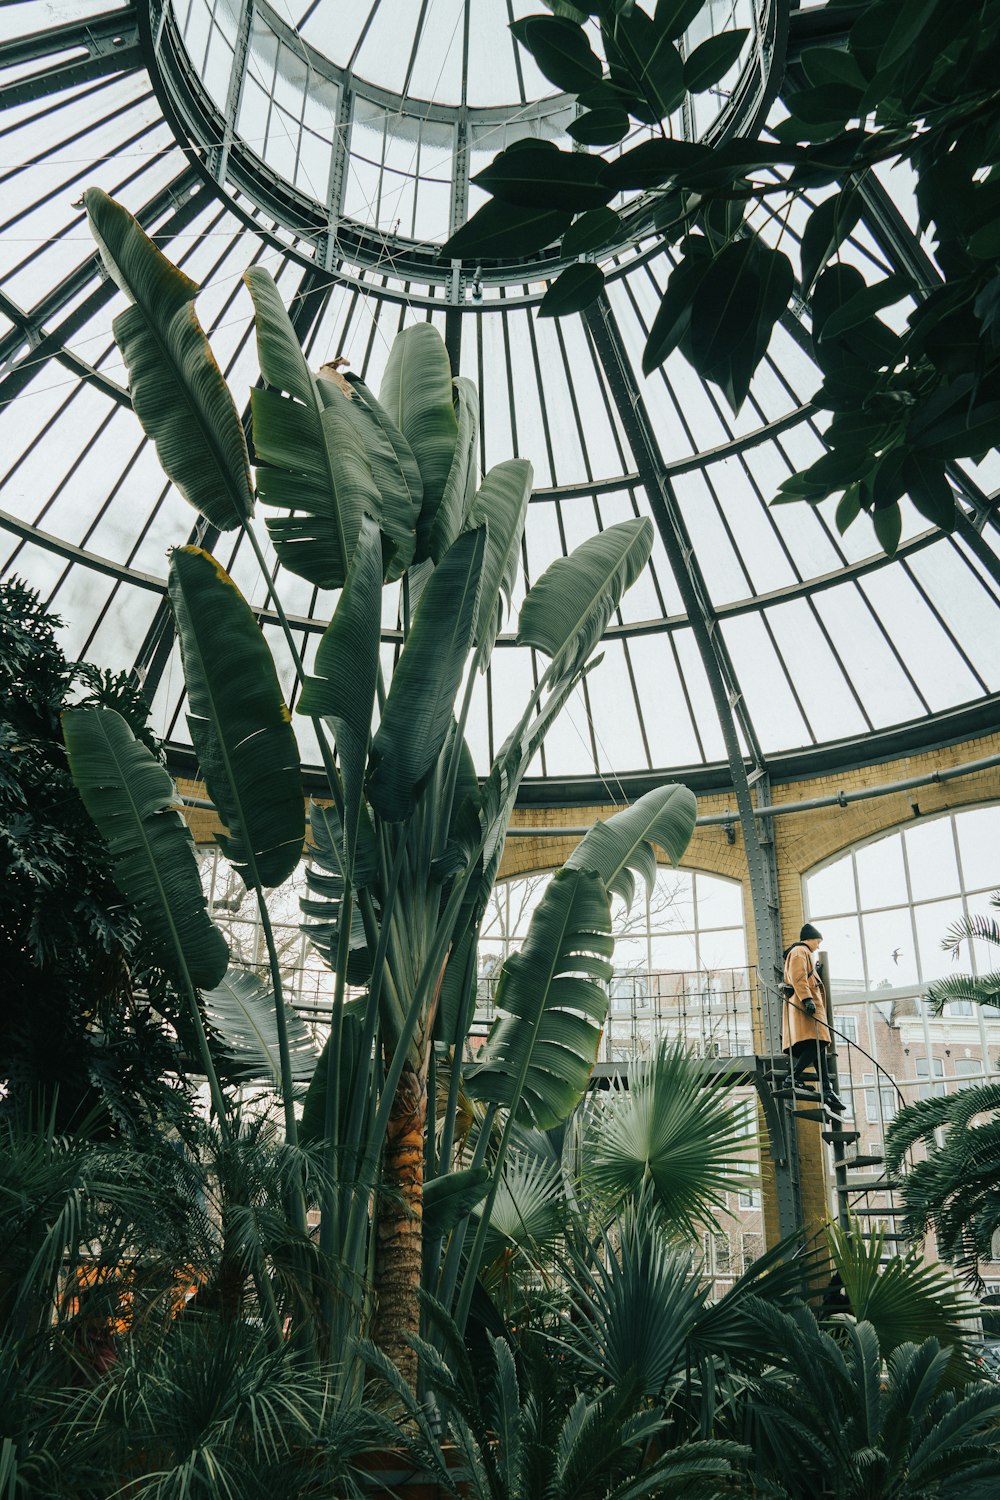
{"x":884,"y":907}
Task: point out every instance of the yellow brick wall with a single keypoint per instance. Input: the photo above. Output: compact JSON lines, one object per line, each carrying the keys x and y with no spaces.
{"x":802,"y":840}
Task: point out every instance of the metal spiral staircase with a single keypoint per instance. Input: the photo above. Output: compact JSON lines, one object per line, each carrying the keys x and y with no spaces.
{"x":867,"y":1197}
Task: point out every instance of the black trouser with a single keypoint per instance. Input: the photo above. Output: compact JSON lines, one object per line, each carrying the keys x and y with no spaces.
{"x":805,"y":1055}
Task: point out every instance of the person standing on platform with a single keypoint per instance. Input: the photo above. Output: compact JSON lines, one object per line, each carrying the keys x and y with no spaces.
{"x":805,"y":1033}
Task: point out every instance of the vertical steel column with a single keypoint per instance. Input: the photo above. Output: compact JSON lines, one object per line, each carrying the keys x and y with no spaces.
{"x":326,"y":250}
{"x":218,"y":156}
{"x":727,"y":698}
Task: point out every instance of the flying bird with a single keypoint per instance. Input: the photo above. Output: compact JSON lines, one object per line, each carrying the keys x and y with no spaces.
{"x":896,"y":955}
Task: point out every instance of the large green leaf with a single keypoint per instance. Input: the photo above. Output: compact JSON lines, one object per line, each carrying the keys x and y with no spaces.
{"x":395,"y":471}
{"x":178,"y":392}
{"x":551,"y":1004}
{"x":347,"y":1061}
{"x":342,"y":688}
{"x":323,"y":907}
{"x":624,"y":842}
{"x":132,"y":800}
{"x":238,"y":720}
{"x":567,"y":610}
{"x":242,"y":1010}
{"x":502,"y":503}
{"x":312,"y":454}
{"x":418,"y":711}
{"x":449,"y":1198}
{"x":460,"y":486}
{"x":417,"y":394}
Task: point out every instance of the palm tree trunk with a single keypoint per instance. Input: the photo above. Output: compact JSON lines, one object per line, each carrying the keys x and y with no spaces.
{"x":399,"y":1238}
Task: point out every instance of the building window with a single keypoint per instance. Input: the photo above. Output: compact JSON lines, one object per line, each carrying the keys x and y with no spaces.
{"x":751,"y":1248}
{"x":846,"y":1029}
{"x":968,"y":1071}
{"x":928,"y":1069}
{"x":880,"y":1103}
{"x":749,"y":1196}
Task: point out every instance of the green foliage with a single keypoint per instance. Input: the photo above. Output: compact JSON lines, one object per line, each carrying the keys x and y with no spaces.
{"x":835,"y":1420}
{"x":671,"y":1140}
{"x":910,"y":87}
{"x":76,"y":1021}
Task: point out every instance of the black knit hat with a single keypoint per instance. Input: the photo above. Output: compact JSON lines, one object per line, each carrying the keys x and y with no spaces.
{"x":809,"y":931}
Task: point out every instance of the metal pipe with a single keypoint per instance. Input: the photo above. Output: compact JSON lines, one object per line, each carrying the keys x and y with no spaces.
{"x":771,"y":810}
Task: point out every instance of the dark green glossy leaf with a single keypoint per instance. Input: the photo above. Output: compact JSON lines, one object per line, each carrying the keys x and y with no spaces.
{"x":712,"y":60}
{"x":652,"y":162}
{"x":848,"y":507}
{"x":927,"y":486}
{"x":501,"y":229}
{"x":576,"y":287}
{"x":828,"y":227}
{"x":546,"y":179}
{"x":642,"y":56}
{"x":418,"y":394}
{"x":673,"y":17}
{"x":592,"y":231}
{"x":448,"y":1199}
{"x":238,"y":720}
{"x":888,"y":524}
{"x":395,"y":471}
{"x":604,"y":126}
{"x":830,"y":105}
{"x":724,"y":309}
{"x":865,"y":304}
{"x":832,"y":65}
{"x":561,"y":50}
{"x":673,"y":317}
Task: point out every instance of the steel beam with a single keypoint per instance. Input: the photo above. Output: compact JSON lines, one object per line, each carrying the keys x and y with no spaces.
{"x":726,"y":695}
{"x":110,"y":43}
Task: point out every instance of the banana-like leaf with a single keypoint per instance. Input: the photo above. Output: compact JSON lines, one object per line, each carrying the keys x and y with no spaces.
{"x":178,"y":392}
{"x":318,"y":469}
{"x":241,"y":1008}
{"x":317,"y":464}
{"x":416,"y":392}
{"x":567,"y":610}
{"x":551,"y":1004}
{"x":347,"y":1061}
{"x":449,"y":1198}
{"x":502,"y":503}
{"x":325,"y":882}
{"x":460,"y":486}
{"x":239,"y":723}
{"x":395,"y":472}
{"x":613,"y":849}
{"x":342,"y":688}
{"x":132,"y":800}
{"x":419,"y":710}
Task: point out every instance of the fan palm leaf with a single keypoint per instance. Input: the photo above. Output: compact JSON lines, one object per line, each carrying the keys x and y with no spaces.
{"x":238,"y":720}
{"x":675,"y":1130}
{"x":177,"y":389}
{"x":903,"y":1299}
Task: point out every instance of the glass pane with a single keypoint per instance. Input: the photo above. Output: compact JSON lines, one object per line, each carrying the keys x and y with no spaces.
{"x":881,"y":876}
{"x":930,"y":852}
{"x":933,"y":921}
{"x":720,"y":902}
{"x":979,"y":846}
{"x":831,"y":889}
{"x":889,"y":949}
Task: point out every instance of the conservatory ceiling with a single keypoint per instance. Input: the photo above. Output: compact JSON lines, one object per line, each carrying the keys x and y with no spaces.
{"x":340,"y":163}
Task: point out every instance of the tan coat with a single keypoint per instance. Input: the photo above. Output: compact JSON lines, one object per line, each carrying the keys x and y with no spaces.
{"x":796,"y":1026}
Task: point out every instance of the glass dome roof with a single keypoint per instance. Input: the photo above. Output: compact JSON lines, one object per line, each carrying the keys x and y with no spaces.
{"x":806,"y":648}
